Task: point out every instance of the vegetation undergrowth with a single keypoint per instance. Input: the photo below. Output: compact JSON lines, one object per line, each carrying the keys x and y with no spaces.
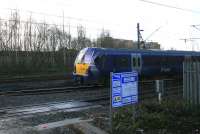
{"x":169,"y":117}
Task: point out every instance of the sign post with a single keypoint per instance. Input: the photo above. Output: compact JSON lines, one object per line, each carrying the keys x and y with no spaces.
{"x":110,"y":116}
{"x":123,"y":90}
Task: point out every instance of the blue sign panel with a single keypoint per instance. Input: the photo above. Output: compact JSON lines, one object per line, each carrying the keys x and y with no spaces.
{"x":124,"y":88}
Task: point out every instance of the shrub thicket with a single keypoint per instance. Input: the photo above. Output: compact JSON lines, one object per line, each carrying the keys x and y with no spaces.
{"x":169,"y":117}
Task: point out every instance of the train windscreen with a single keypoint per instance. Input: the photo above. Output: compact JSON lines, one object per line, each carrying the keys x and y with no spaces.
{"x":80,"y":57}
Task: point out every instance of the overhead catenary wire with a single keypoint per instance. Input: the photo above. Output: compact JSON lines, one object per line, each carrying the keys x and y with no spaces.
{"x":175,"y":8}
{"x":79,"y":21}
{"x":57,"y":25}
{"x":49,"y":24}
{"x":59,"y":16}
{"x":153,"y":33}
{"x":195,"y":26}
{"x":171,"y":6}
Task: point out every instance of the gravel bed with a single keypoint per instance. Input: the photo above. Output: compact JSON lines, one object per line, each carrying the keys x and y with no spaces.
{"x":100,"y":116}
{"x":14,"y":101}
{"x":53,"y":117}
{"x":11,"y":101}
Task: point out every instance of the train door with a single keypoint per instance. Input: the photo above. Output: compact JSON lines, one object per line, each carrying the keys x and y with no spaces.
{"x":188,"y":58}
{"x":136,"y":62}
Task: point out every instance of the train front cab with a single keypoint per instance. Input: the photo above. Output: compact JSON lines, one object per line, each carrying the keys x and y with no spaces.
{"x":85,"y":70}
{"x":80,"y":67}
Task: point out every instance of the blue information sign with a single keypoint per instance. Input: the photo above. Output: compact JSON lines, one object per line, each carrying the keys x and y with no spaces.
{"x":124,"y":88}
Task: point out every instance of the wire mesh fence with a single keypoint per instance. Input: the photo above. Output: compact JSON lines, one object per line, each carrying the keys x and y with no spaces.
{"x":191,"y":85}
{"x":171,"y":89}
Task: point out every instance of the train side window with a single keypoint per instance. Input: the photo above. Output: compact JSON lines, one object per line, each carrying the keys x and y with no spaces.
{"x":121,"y":61}
{"x":136,"y":62}
{"x":100,"y":61}
{"x":124,"y":61}
{"x":103,"y":59}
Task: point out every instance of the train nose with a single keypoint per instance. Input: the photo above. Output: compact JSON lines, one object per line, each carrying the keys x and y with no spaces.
{"x":82,"y":69}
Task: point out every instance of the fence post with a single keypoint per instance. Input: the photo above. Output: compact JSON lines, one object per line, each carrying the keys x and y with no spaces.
{"x":198,"y":86}
{"x":111,"y":111}
{"x":160,"y":89}
{"x":184,"y":83}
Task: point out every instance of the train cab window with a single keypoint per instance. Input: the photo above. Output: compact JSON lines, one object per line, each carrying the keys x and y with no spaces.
{"x":97,"y":60}
{"x":80,"y":57}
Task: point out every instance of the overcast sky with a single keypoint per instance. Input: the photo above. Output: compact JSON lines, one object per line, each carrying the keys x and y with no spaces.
{"x":121,"y":17}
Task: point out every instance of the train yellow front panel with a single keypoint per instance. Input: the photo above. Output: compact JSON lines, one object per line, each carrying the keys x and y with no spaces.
{"x":81,"y":69}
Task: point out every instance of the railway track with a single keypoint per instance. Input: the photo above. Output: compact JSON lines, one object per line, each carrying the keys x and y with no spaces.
{"x":39,"y":91}
{"x":52,"y":107}
{"x":90,"y":93}
{"x":31,"y":78}
{"x":143,"y":87}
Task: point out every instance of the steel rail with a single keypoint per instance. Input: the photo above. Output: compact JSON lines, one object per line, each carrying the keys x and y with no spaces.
{"x":10,"y":111}
{"x":39,"y":91}
{"x":31,"y":78}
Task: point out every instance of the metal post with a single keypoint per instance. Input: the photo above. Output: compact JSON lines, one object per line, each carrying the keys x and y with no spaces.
{"x":187,"y":81}
{"x":198,"y":86}
{"x":138,"y":36}
{"x":134,"y":112}
{"x":195,"y":82}
{"x":190,"y":82}
{"x":184,"y":83}
{"x":159,"y":89}
{"x":110,"y":115}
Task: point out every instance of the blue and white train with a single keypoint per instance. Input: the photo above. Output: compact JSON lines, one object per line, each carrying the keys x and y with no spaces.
{"x":95,"y":64}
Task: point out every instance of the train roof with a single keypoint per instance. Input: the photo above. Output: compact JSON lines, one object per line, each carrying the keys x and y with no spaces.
{"x":153,"y":52}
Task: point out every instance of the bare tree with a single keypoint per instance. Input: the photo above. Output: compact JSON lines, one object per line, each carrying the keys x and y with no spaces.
{"x":31,"y":46}
{"x":105,"y":40}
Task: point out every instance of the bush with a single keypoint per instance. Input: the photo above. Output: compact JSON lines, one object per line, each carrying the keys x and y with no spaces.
{"x":168,"y":117}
